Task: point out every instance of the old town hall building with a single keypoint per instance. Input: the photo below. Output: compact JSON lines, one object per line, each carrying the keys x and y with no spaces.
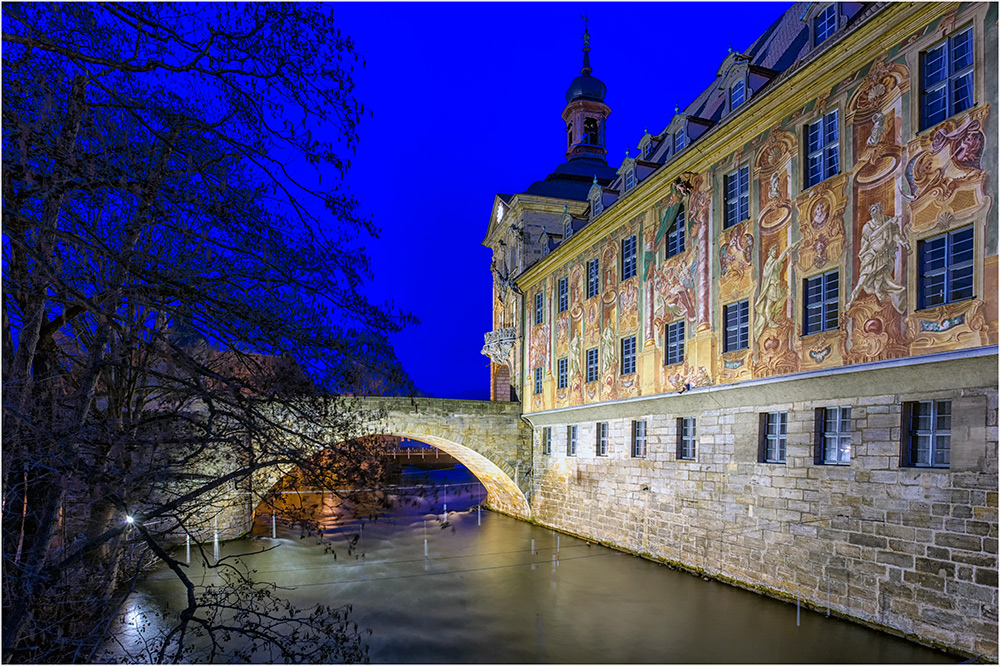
{"x":773,"y":358}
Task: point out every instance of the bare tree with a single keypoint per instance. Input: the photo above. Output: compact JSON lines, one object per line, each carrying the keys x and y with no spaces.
{"x":181,"y":298}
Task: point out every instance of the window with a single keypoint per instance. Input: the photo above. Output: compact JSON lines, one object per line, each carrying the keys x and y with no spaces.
{"x":592,"y":365}
{"x":675,"y":342}
{"x":737,"y":95}
{"x":629,"y":179}
{"x":675,"y":237}
{"x":563,"y":365}
{"x":628,"y":257}
{"x":593,"y":278}
{"x":538,"y":380}
{"x":946,"y":266}
{"x":825,"y":24}
{"x":927,"y":433}
{"x":628,"y":355}
{"x":646,"y":150}
{"x":946,"y":79}
{"x":820,"y":303}
{"x":679,"y":139}
{"x":737,"y":316}
{"x":638,"y":439}
{"x":539,"y":307}
{"x":571,"y":440}
{"x":833,"y":436}
{"x":685,"y":438}
{"x":737,"y":196}
{"x":590,"y":130}
{"x":773,"y":431}
{"x":602,"y":438}
{"x":596,"y":207}
{"x":563,"y":294}
{"x":822,"y":149}
{"x":547,"y":441}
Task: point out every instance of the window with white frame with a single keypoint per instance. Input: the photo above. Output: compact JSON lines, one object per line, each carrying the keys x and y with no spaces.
{"x":820,"y":299}
{"x":563,"y":294}
{"x":602,"y":438}
{"x":592,"y":371}
{"x":686,"y":435}
{"x":675,"y":342}
{"x":629,"y":179}
{"x":675,"y":237}
{"x":822,"y":149}
{"x":927,"y":433}
{"x":628,"y":355}
{"x":737,"y":94}
{"x":737,"y":196}
{"x":628,"y":257}
{"x":774,"y":431}
{"x":593,"y":278}
{"x":539,"y":307}
{"x":680,"y":140}
{"x":547,"y":441}
{"x":638,"y":439}
{"x":833,"y":435}
{"x":946,"y":268}
{"x":596,"y":205}
{"x":737,"y":322}
{"x":562,"y":373}
{"x":947,"y":78}
{"x":571,"y":440}
{"x":824,"y":24}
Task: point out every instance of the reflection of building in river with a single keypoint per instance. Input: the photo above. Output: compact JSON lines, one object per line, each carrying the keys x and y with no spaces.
{"x":779,"y":320}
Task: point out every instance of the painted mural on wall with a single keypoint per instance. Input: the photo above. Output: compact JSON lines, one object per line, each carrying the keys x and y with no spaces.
{"x":867,"y":222}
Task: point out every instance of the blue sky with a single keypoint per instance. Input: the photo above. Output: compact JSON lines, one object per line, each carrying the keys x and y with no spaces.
{"x":466,"y":101}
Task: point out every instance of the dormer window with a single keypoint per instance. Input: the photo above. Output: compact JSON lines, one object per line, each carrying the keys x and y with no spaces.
{"x":679,"y":139}
{"x":629,"y":179}
{"x":646,"y":150}
{"x":824,"y":24}
{"x":737,"y":95}
{"x":596,"y":207}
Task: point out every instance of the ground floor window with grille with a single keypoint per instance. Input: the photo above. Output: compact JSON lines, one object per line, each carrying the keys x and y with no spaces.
{"x":773,"y":433}
{"x":686,"y":433}
{"x":927,"y":433}
{"x":547,"y":441}
{"x":833,"y":436}
{"x":571,"y":440}
{"x":602,"y":438}
{"x":638,"y":439}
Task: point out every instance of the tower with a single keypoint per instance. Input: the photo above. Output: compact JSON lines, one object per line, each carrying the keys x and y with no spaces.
{"x":585,"y":113}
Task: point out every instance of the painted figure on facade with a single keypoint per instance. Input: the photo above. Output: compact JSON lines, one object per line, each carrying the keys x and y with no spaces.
{"x":609,"y":351}
{"x":772,"y":294}
{"x":881,"y":240}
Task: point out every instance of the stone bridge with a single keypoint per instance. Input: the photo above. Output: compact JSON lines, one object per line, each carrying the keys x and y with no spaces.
{"x":487,"y":437}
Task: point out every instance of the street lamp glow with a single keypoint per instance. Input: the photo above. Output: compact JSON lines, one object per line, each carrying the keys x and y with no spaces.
{"x":129,"y":519}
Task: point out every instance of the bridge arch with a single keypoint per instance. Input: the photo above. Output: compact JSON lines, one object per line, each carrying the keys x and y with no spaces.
{"x":502,"y":491}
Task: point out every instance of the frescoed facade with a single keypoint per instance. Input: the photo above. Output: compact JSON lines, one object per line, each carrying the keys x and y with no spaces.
{"x":779,"y":349}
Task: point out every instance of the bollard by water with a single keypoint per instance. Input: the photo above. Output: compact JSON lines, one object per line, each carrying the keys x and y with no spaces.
{"x":557,"y":543}
{"x":425,"y":547}
{"x":189,"y":549}
{"x":274,"y":527}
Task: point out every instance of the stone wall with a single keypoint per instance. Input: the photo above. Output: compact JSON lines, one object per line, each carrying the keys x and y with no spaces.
{"x":910,"y":549}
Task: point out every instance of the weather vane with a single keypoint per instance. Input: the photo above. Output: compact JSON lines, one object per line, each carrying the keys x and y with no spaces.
{"x":586,"y":34}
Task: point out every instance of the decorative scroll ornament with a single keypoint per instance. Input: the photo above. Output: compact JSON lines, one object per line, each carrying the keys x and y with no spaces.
{"x":498,"y":345}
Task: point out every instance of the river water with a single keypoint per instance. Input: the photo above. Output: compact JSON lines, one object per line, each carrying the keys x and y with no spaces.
{"x":483,"y":595}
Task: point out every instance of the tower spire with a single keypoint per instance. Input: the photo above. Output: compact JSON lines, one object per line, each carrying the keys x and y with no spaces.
{"x":587,"y":69}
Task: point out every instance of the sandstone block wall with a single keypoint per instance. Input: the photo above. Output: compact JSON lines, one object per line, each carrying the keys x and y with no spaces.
{"x":911,"y":549}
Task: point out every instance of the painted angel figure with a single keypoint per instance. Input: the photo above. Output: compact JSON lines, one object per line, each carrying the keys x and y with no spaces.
{"x":881,"y":239}
{"x":772,"y":295}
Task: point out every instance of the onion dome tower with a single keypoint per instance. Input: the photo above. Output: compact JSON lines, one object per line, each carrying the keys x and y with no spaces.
{"x":585,"y":113}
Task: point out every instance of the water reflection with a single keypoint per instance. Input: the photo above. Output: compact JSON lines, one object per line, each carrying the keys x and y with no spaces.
{"x":474,"y":586}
